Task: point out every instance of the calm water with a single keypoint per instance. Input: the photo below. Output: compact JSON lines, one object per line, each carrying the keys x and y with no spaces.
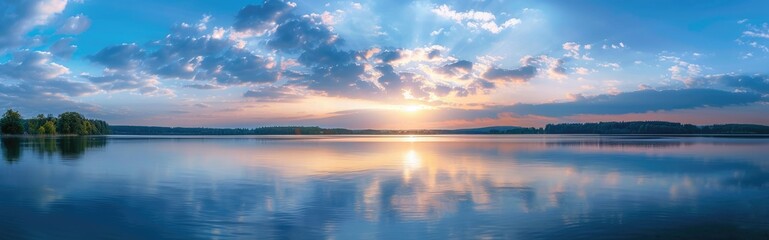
{"x":385,"y":187}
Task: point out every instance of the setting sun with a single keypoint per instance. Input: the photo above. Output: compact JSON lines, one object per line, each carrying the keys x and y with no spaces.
{"x":414,"y":108}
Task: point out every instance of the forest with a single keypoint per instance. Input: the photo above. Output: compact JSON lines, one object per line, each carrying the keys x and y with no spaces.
{"x":652,"y":127}
{"x":68,"y":123}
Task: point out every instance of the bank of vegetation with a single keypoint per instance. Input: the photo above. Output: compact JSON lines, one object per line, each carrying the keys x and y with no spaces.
{"x":68,"y":123}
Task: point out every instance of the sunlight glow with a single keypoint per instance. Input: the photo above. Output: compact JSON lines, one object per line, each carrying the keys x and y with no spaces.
{"x":414,"y":108}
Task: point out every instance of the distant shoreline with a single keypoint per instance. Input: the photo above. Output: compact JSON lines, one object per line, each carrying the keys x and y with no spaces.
{"x":601,"y":128}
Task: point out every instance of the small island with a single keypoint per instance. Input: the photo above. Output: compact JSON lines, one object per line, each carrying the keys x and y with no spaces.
{"x":68,"y":123}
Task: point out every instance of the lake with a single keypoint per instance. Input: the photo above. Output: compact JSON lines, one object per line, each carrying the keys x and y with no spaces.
{"x":385,"y":187}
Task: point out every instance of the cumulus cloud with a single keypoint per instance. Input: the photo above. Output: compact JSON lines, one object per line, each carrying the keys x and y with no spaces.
{"x":32,"y":81}
{"x":682,"y":70}
{"x":118,"y":81}
{"x":63,"y":48}
{"x":33,"y":66}
{"x":75,"y":25}
{"x":124,"y":56}
{"x":475,"y":20}
{"x":19,"y":17}
{"x":458,"y":68}
{"x":259,"y":19}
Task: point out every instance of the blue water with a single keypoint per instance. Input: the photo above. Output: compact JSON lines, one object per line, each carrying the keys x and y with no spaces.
{"x":385,"y":187}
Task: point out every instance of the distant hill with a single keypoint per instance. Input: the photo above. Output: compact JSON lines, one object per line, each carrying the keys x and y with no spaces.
{"x":637,"y":127}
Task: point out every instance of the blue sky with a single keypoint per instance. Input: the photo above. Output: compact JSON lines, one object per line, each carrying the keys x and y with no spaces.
{"x":386,"y":64}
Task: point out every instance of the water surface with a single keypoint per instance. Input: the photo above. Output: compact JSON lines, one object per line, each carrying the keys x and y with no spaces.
{"x":385,"y":187}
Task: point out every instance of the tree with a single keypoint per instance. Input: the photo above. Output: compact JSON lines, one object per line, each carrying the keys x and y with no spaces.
{"x":49,"y":128}
{"x":34,"y":124}
{"x":11,"y":123}
{"x":71,"y":123}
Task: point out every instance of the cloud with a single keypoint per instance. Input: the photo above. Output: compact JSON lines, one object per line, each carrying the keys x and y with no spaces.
{"x":458,"y":68}
{"x":118,"y":81}
{"x":33,"y":82}
{"x":637,"y":102}
{"x":63,"y":48}
{"x":36,"y":97}
{"x":302,"y":33}
{"x":203,"y":86}
{"x":259,"y":19}
{"x":755,"y":36}
{"x":682,"y":70}
{"x":755,"y":83}
{"x":189,"y":52}
{"x":273,"y":94}
{"x":19,"y":17}
{"x":124,"y":56}
{"x":475,"y":19}
{"x":75,"y":25}
{"x":521,"y":74}
{"x":33,"y":66}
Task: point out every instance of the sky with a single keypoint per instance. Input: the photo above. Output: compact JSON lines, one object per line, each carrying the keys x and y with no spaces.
{"x":396,"y":64}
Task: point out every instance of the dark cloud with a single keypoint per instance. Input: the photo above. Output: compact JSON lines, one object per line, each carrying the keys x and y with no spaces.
{"x":262,"y":18}
{"x":342,"y":81}
{"x":755,"y":83}
{"x":390,"y":55}
{"x":237,"y":67}
{"x":325,"y":56}
{"x":636,"y":102}
{"x":457,"y":68}
{"x":521,"y":74}
{"x":124,"y":56}
{"x":302,"y":33}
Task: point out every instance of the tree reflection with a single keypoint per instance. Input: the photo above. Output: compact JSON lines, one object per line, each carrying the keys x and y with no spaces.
{"x":68,"y":148}
{"x":11,"y":147}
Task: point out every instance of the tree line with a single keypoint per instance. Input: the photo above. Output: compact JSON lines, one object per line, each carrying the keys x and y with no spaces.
{"x":69,"y":123}
{"x":637,"y":127}
{"x":652,"y":127}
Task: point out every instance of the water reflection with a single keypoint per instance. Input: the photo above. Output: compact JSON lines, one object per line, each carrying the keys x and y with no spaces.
{"x":435,"y":187}
{"x":68,"y":148}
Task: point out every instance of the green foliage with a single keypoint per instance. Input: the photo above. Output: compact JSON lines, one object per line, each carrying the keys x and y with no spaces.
{"x":71,"y":123}
{"x":12,"y":123}
{"x":49,"y":128}
{"x":67,"y":123}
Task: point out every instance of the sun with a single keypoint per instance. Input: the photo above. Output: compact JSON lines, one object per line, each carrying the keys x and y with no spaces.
{"x":412,"y":108}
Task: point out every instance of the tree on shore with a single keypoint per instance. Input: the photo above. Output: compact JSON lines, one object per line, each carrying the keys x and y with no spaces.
{"x":71,"y":123}
{"x":11,"y":123}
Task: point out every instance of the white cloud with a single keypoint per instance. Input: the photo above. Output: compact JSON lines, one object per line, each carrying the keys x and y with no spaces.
{"x":75,"y":25}
{"x":436,"y":32}
{"x":476,"y":19}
